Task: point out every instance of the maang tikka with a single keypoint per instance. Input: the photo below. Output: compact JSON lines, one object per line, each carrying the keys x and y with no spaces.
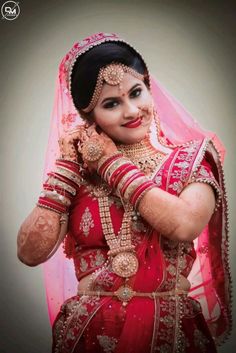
{"x":113,"y":75}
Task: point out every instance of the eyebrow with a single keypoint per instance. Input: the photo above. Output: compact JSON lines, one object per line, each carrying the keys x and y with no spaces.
{"x":110,"y":98}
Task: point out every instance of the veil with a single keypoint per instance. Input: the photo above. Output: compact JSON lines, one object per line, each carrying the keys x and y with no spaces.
{"x":59,"y":276}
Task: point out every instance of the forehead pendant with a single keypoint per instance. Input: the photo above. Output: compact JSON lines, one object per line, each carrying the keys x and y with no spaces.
{"x":113,"y":75}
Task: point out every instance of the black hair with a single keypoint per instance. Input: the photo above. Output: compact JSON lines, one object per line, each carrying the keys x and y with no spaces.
{"x":86,"y":68}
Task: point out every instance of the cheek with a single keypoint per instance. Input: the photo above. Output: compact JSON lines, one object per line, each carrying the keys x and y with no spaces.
{"x":147,"y":98}
{"x":107,"y":120}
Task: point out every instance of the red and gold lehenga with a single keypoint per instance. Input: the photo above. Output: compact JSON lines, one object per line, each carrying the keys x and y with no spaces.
{"x":165,"y":320}
{"x":166,"y":323}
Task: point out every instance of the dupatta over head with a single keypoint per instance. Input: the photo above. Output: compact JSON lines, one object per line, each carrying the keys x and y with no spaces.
{"x":210,"y":276}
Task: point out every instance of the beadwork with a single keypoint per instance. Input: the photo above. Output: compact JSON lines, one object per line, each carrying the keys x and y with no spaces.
{"x":112,"y":75}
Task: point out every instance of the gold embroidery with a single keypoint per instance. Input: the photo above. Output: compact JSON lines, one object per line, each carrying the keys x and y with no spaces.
{"x":86,"y":222}
{"x":165,"y":348}
{"x":107,"y":343}
{"x":83,"y":265}
{"x":200,"y":341}
{"x":98,"y":260}
{"x":99,"y":190}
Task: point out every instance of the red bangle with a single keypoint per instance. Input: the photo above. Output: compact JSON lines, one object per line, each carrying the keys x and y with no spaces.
{"x":129,"y":181}
{"x":73,"y":166}
{"x":140,"y":189}
{"x":139,"y":198}
{"x":59,"y":190}
{"x":44,"y":201}
{"x":119,"y":173}
{"x":65,"y":179}
{"x":107,"y":163}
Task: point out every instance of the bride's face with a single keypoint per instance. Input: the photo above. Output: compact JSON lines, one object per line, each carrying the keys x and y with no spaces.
{"x":125,"y":113}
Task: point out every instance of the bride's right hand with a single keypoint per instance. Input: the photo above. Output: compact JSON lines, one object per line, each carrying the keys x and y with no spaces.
{"x":69,"y":141}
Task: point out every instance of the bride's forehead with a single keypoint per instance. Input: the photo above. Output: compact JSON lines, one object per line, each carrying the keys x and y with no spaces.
{"x":126,"y":84}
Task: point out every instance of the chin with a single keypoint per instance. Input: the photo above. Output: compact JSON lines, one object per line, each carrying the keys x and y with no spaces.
{"x":131,"y":138}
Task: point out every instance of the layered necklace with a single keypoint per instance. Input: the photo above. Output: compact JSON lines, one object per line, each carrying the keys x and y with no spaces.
{"x":143,"y":155}
{"x":122,"y":254}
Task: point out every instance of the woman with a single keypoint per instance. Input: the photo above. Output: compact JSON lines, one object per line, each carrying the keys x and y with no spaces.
{"x":145,"y":209}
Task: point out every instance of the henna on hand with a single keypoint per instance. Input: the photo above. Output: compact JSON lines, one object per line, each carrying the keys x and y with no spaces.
{"x":68,"y":143}
{"x":108,"y":149}
{"x":37,"y":236}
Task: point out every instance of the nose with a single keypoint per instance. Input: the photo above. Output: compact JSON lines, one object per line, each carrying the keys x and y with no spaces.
{"x":131,"y":111}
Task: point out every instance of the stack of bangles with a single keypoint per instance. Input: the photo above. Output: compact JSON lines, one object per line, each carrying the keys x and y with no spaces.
{"x":121,"y":174}
{"x":61,"y":187}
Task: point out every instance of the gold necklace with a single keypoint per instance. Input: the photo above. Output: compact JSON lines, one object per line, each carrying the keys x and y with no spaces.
{"x":143,"y":155}
{"x":123,"y":258}
{"x":122,"y":252}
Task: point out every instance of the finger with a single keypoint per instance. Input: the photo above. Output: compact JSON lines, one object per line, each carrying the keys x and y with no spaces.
{"x":92,"y":130}
{"x":76,"y":134}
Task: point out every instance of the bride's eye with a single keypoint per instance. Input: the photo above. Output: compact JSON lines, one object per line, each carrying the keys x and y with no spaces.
{"x":110,"y":104}
{"x":136,"y":93}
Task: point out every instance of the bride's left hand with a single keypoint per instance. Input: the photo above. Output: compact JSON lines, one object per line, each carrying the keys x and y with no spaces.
{"x":102,"y":139}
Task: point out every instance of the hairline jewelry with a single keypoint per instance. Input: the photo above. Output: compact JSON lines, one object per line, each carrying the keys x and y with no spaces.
{"x":113,"y":75}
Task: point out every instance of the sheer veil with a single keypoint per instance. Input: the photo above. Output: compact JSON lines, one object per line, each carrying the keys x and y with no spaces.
{"x":177,"y":126}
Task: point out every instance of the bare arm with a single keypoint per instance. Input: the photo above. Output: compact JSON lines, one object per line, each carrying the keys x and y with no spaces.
{"x":38,"y":235}
{"x":179,"y":218}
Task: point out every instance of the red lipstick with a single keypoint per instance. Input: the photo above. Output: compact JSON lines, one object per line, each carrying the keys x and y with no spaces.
{"x":134,"y":123}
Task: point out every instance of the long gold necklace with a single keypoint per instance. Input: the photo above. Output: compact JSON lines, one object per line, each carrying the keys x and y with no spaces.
{"x":122,"y":252}
{"x":123,"y":258}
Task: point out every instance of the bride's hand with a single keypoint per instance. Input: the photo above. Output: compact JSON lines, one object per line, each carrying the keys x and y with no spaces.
{"x":68,"y":143}
{"x":101,"y":144}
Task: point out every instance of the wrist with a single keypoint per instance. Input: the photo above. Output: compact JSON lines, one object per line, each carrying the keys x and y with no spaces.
{"x":61,"y":186}
{"x":126,"y":178}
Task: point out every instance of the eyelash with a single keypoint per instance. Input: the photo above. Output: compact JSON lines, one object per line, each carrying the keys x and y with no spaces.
{"x":111,"y":105}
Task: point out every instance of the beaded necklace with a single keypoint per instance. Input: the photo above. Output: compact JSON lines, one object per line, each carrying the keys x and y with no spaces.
{"x":124,"y":261}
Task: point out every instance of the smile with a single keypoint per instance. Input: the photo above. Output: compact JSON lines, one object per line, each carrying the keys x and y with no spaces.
{"x":134,"y":123}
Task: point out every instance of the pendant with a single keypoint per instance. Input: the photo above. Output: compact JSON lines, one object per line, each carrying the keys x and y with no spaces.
{"x":125,"y":264}
{"x":125,"y":294}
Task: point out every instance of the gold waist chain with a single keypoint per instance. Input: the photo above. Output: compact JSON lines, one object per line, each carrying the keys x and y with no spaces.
{"x":126,"y":293}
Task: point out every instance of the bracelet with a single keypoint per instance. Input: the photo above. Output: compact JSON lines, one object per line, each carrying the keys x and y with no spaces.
{"x":137,"y":200}
{"x":120,"y":173}
{"x":131,"y":184}
{"x":54,"y":182}
{"x":118,"y":163}
{"x":72,"y":166}
{"x":56,"y":206}
{"x":69,"y":175}
{"x":55,"y":196}
{"x":57,"y":190}
{"x":49,"y":208}
{"x":130,"y":179}
{"x":64,"y":179}
{"x":104,"y":161}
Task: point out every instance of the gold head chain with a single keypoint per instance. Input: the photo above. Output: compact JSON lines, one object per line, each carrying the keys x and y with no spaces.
{"x":113,"y":75}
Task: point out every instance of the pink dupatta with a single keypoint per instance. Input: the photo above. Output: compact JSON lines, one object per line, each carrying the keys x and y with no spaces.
{"x":177,"y":127}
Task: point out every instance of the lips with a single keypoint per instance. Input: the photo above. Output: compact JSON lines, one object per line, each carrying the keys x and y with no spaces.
{"x":134,"y":123}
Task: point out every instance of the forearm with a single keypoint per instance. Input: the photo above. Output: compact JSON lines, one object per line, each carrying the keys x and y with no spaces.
{"x":178,"y":218}
{"x":38,"y":235}
{"x":170,"y":215}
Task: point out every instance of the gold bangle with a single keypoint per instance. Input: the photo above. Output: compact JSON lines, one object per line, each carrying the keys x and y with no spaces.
{"x":70,"y":175}
{"x":57,"y":197}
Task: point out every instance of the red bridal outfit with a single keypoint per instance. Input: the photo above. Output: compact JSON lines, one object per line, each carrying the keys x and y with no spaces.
{"x":160,"y":314}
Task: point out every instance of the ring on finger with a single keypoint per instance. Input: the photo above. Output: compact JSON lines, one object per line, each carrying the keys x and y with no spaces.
{"x":92,"y":149}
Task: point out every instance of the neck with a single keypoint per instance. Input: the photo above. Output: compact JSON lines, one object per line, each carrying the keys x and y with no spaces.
{"x":143,"y":154}
{"x":141,"y":148}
